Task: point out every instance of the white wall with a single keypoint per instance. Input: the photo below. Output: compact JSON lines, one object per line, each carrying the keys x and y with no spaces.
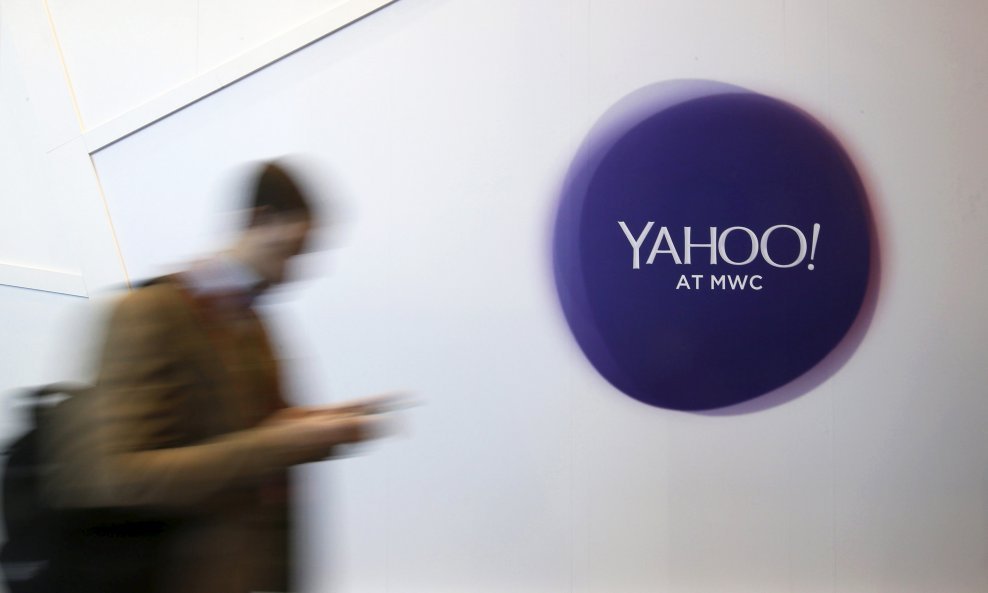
{"x":445,"y":129}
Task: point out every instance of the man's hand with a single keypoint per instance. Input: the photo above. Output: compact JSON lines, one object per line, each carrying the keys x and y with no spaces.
{"x":308,"y":436}
{"x":375,"y":404}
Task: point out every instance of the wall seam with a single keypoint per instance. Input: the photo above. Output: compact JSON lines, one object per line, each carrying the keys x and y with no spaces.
{"x":65,"y":68}
{"x":82,"y":130}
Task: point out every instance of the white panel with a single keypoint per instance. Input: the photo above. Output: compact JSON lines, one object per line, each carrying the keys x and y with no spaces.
{"x":178,"y":97}
{"x":89,"y":230}
{"x":67,"y":283}
{"x":45,"y":188}
{"x":228,"y":28}
{"x":444,"y":129}
{"x":122,"y":53}
{"x":911,"y":438}
{"x":34,"y":86}
{"x":741,"y":42}
{"x":32,"y":226}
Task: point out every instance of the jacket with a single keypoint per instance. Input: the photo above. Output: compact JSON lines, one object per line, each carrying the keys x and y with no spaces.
{"x":172,"y":433}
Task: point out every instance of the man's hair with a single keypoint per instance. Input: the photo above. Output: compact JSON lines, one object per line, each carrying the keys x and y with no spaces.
{"x":274,"y":191}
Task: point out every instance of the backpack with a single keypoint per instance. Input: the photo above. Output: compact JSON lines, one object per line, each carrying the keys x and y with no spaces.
{"x":31,"y":525}
{"x":84,"y":550}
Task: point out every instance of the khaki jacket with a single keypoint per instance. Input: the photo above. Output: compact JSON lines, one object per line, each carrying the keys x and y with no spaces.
{"x":172,"y":426}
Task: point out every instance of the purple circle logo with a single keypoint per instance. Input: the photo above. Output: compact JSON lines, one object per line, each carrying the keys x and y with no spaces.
{"x":711,"y":245}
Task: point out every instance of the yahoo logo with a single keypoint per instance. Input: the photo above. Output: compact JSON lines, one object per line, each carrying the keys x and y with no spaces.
{"x":718,"y":246}
{"x":711,"y":245}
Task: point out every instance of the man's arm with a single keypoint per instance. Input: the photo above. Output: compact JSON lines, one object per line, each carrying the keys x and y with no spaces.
{"x":142,"y":453}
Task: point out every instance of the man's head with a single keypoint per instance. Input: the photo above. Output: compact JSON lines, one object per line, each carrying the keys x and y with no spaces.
{"x":277,"y":226}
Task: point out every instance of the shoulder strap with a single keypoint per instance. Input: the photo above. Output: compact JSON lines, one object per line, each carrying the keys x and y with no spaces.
{"x":153,"y":281}
{"x":44,"y":398}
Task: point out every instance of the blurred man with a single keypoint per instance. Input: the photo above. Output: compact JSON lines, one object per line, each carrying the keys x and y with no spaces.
{"x":176,"y":461}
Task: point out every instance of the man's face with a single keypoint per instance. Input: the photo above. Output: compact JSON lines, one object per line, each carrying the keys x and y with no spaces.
{"x":276,"y":239}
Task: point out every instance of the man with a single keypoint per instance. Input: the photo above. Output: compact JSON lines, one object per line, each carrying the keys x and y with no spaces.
{"x":185,"y":439}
